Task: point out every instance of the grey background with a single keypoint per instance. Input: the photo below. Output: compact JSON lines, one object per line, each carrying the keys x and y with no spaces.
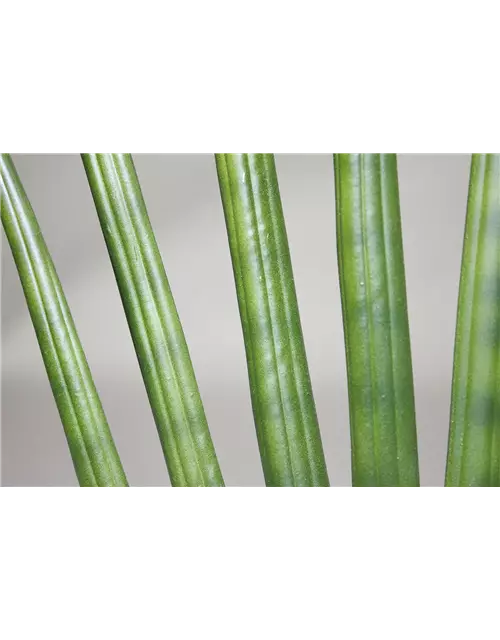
{"x":182,"y":196}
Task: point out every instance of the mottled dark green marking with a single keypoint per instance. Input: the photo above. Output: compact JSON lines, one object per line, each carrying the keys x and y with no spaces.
{"x":90,"y":442}
{"x":474,"y":442}
{"x":282,"y":398}
{"x":377,"y":341}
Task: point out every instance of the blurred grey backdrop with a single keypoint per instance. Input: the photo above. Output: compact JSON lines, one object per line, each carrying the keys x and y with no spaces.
{"x":182,"y":196}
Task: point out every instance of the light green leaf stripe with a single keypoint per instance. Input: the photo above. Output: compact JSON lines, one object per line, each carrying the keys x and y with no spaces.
{"x":90,"y":442}
{"x":154,"y":324}
{"x":282,"y":399}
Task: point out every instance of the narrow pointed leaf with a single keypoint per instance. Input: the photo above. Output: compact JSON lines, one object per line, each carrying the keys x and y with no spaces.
{"x":474,"y":442}
{"x":153,"y":321}
{"x":90,"y":442}
{"x":373,"y":292}
{"x":282,"y":398}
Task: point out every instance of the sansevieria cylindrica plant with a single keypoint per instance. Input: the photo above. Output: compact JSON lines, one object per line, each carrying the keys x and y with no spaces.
{"x":282,"y":398}
{"x":90,"y":442}
{"x":377,"y":340}
{"x":373,"y":309}
{"x":474,"y":442}
{"x":153,"y":321}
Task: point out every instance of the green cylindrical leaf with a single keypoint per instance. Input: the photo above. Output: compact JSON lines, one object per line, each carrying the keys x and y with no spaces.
{"x":474,"y":442}
{"x":153,"y":321}
{"x":373,"y":291}
{"x":90,"y":442}
{"x":282,"y":398}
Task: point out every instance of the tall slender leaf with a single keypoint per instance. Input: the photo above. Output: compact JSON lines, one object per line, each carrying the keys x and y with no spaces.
{"x":373,"y":291}
{"x":282,"y":398}
{"x":153,"y":321}
{"x":474,"y":442}
{"x":90,"y":442}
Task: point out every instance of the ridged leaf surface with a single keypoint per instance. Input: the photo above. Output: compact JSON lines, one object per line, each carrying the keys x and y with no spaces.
{"x":282,"y":399}
{"x":474,"y":443}
{"x":90,"y":442}
{"x":154,"y":324}
{"x":377,"y":342}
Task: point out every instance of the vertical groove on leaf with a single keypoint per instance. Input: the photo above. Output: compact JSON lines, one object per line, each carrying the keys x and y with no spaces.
{"x":474,"y":443}
{"x":376,"y":332}
{"x":154,"y":324}
{"x":90,"y":442}
{"x":282,"y":400}
{"x":371,"y":374}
